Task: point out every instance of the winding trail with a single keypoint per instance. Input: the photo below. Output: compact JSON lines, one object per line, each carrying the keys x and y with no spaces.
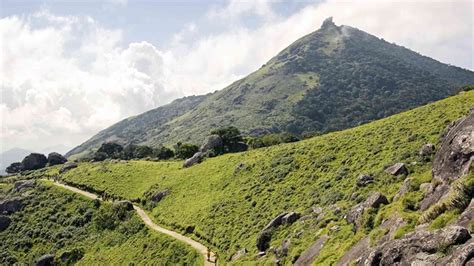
{"x":147,"y":220}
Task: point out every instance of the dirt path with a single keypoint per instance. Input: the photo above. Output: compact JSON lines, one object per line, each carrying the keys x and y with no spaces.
{"x":147,"y":220}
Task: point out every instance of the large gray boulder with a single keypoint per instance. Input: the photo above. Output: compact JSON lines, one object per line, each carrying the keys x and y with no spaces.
{"x":55,"y":158}
{"x":263,"y":239}
{"x":197,"y":158}
{"x":354,"y":215}
{"x":159,"y":195}
{"x":67,"y":166}
{"x":13,"y":168}
{"x":10,"y":205}
{"x":426,"y":151}
{"x":212,"y":143}
{"x":34,"y":161}
{"x":419,"y":246}
{"x":456,"y":152}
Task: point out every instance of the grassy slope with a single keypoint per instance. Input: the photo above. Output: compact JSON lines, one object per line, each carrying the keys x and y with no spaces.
{"x":229,"y":206}
{"x":47,"y":225}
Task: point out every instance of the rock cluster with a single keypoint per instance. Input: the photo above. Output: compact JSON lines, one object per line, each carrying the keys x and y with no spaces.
{"x":354,"y":215}
{"x":263,"y":239}
{"x":364,"y":179}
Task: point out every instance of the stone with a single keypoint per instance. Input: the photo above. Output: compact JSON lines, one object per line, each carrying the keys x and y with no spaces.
{"x":263,"y":240}
{"x":467,"y":216}
{"x":375,"y":200}
{"x":404,"y":188}
{"x":239,"y":254}
{"x":33,"y":161}
{"x":55,"y":158}
{"x":290,"y":217}
{"x":13,"y":168}
{"x":5,"y":221}
{"x":418,"y":246}
{"x":212,"y":143}
{"x":45,"y":260}
{"x":10,"y":205}
{"x":285,"y":247}
{"x":23,"y":184}
{"x":195,"y":159}
{"x":275,"y":222}
{"x":189,"y":229}
{"x":426,"y":187}
{"x":397,"y":169}
{"x":68,"y":166}
{"x":456,"y":152}
{"x":426,"y":151}
{"x":364,"y":179}
{"x":122,"y":205}
{"x":240,"y":146}
{"x":312,"y":252}
{"x":159,"y":195}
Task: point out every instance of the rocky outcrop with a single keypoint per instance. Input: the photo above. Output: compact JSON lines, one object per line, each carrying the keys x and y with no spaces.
{"x":467,"y":216}
{"x":456,"y":152}
{"x":45,"y":260}
{"x":55,"y":158}
{"x":364,"y":179}
{"x":312,"y":252}
{"x":10,"y":205}
{"x":420,"y":246}
{"x":263,"y":239}
{"x":5,"y":221}
{"x":212,"y":143}
{"x":397,"y":169}
{"x":159,"y":195}
{"x":13,"y":168}
{"x":34,"y":161}
{"x":23,"y":184}
{"x":68,"y":166}
{"x":354,"y":215}
{"x":197,"y":158}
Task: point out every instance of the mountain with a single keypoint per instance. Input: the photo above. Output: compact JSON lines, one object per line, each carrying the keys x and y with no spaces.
{"x":334,"y":78}
{"x":341,"y":194}
{"x":11,"y":156}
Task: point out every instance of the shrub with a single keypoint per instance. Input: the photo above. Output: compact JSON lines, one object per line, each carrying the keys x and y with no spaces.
{"x":185,"y":150}
{"x":163,"y":153}
{"x":112,"y":149}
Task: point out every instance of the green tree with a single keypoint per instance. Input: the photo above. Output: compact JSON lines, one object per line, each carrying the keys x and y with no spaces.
{"x":185,"y":150}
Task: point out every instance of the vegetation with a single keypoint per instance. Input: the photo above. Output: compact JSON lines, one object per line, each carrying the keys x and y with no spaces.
{"x":229,"y":199}
{"x":78,"y":230}
{"x":331,"y":79}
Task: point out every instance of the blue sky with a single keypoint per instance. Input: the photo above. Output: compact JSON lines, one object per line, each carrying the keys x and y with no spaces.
{"x":72,"y":68}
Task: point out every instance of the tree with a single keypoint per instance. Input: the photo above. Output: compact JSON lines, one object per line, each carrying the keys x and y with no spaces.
{"x":231,"y":138}
{"x":185,"y":150}
{"x":112,"y":149}
{"x":142,"y":152}
{"x":163,"y":153}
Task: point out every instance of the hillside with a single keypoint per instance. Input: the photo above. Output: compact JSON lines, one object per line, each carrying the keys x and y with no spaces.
{"x":227,"y":201}
{"x":334,"y":78}
{"x":76,"y":230}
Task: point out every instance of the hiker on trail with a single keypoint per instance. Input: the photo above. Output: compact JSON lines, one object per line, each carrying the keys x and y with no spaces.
{"x":208,"y":254}
{"x":215,"y":259}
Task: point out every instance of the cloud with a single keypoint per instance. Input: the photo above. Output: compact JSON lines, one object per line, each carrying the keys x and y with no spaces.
{"x":64,"y":78}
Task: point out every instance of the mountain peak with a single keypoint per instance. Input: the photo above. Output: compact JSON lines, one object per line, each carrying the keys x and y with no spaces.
{"x":328,"y":23}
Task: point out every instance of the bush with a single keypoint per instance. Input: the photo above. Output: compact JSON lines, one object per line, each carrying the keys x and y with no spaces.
{"x":185,"y":150}
{"x":112,"y":149}
{"x":163,"y":153}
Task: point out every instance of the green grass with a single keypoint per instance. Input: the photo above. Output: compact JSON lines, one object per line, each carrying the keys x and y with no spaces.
{"x":57,"y":221}
{"x":229,"y":205}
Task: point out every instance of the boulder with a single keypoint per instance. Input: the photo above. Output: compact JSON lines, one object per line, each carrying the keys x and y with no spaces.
{"x":212,"y":143}
{"x":197,"y":158}
{"x":404,"y":188}
{"x":467,"y":216}
{"x":240,"y":146}
{"x":159,"y":195}
{"x":13,"y":168}
{"x":421,"y":246}
{"x":312,"y":252}
{"x":397,"y":169}
{"x":237,"y":255}
{"x":5,"y":221}
{"x":275,"y":222}
{"x":375,"y":200}
{"x":364,"y":179}
{"x":67,"y":166}
{"x":426,"y":151}
{"x":45,"y":260}
{"x":34,"y":161}
{"x":55,"y":158}
{"x":426,"y":187}
{"x":290,"y":217}
{"x":263,"y":240}
{"x":10,"y":205}
{"x":23,"y":184}
{"x":285,"y":247}
{"x":456,"y":152}
{"x":122,"y":205}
